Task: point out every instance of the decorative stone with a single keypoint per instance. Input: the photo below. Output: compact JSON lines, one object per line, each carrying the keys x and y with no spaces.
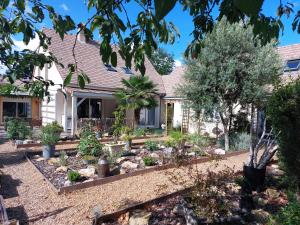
{"x":188,"y":213}
{"x":61,"y":169}
{"x":53,"y":161}
{"x":192,"y":154}
{"x":89,"y":180}
{"x":272,"y":193}
{"x":139,"y":217}
{"x":40,"y":159}
{"x":123,"y":159}
{"x":67,"y":183}
{"x":260,"y":201}
{"x":260,"y":216}
{"x":88,"y":172}
{"x":18,"y":142}
{"x":129,"y":165}
{"x":168,"y":151}
{"x":155,"y":155}
{"x":28,"y":141}
{"x":219,"y":151}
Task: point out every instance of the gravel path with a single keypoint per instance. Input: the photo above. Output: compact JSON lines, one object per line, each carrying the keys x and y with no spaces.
{"x":29,"y":199}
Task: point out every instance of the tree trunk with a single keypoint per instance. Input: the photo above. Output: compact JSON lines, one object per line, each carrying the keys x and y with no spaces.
{"x":226,"y":131}
{"x":251,"y":147}
{"x":136,"y":118}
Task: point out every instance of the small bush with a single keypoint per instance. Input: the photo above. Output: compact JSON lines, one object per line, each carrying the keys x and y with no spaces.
{"x":239,"y":141}
{"x":199,"y":140}
{"x":151,"y":145}
{"x":17,"y":129}
{"x":89,"y":145}
{"x":149,"y":161}
{"x":139,"y":132}
{"x":73,"y":176}
{"x":176,"y":139}
{"x":50,"y":134}
{"x":289,"y":215}
{"x":63,"y":158}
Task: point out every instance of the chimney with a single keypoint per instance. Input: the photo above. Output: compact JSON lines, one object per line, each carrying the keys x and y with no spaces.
{"x":81,"y":37}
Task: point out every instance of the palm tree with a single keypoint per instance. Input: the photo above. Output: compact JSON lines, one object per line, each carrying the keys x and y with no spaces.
{"x":138,"y":93}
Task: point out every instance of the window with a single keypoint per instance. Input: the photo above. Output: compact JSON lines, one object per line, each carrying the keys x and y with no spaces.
{"x":110,"y":68}
{"x":89,"y":108}
{"x":127,"y":70}
{"x":292,"y":65}
{"x":16,"y":109}
{"x":147,"y":117}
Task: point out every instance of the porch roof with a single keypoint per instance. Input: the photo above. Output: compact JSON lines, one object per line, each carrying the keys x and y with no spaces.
{"x":86,"y":93}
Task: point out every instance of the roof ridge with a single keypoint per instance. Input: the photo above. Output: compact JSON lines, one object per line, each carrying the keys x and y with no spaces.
{"x":285,"y":46}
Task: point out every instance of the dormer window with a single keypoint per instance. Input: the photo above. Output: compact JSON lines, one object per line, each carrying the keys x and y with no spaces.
{"x":110,"y":68}
{"x":292,"y":65}
{"x":127,"y":70}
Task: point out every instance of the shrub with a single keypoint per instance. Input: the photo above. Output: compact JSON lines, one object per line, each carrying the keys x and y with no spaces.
{"x":238,"y":141}
{"x":283,"y":111}
{"x":73,"y":176}
{"x":149,"y":161}
{"x":85,"y":131}
{"x":63,"y":158}
{"x":17,"y":129}
{"x":198,"y":140}
{"x":89,"y":145}
{"x":176,"y":139}
{"x":50,"y":134}
{"x":151,"y":145}
{"x":139,"y":132}
{"x":289,"y":215}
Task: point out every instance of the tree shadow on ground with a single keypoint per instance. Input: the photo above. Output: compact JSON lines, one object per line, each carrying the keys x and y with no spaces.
{"x":45,"y":215}
{"x":18,"y":213}
{"x":13,"y":158}
{"x":127,"y":203}
{"x":9,"y":186}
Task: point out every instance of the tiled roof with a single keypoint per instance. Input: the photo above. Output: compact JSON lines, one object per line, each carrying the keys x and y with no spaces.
{"x":89,"y":61}
{"x":172,"y":81}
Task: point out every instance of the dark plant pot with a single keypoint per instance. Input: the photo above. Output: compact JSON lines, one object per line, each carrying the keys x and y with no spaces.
{"x":98,"y":135}
{"x":255,"y":177}
{"x":103,"y":168}
{"x":48,"y":151}
{"x":128,"y":145}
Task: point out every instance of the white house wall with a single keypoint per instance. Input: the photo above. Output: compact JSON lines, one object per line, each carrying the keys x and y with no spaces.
{"x":177,"y":115}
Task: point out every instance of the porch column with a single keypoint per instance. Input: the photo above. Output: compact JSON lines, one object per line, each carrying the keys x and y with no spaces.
{"x":65,"y":113}
{"x":74,"y":115}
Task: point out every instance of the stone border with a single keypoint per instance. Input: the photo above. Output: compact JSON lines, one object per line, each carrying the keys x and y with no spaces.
{"x":101,"y":181}
{"x":25,"y":146}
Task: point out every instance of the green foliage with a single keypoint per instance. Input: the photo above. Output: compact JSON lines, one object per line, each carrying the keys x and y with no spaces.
{"x":127,"y":133}
{"x":149,"y":161}
{"x":139,"y":132}
{"x":63,"y":158}
{"x":199,"y":140}
{"x":119,"y":114}
{"x":73,"y":176}
{"x":89,"y":145}
{"x":162,"y":61}
{"x":289,"y":215}
{"x":85,"y":131}
{"x":151,"y":145}
{"x":238,"y":141}
{"x":17,"y":129}
{"x":232,"y":68}
{"x":51,"y":133}
{"x":284,"y":112}
{"x":138,"y":92}
{"x":176,"y":139}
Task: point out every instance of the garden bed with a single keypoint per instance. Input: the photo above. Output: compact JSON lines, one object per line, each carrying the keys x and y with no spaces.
{"x":127,"y":166}
{"x":176,"y":207}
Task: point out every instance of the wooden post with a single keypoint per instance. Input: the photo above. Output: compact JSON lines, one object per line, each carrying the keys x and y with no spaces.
{"x":74,"y":114}
{"x":65,"y":113}
{"x":166,"y":118}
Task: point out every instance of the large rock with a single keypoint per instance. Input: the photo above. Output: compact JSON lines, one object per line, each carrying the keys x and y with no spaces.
{"x":123,"y":159}
{"x":260,"y":216}
{"x":129,"y":165}
{"x":219,"y":151}
{"x":88,"y":172}
{"x":61,"y":169}
{"x":155,"y":155}
{"x":28,"y":141}
{"x":139,"y":217}
{"x":168,"y":151}
{"x":272,"y":193}
{"x":53,"y":161}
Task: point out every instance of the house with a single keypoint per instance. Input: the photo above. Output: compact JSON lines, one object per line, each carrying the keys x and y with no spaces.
{"x":18,"y":105}
{"x":178,"y":116}
{"x":71,"y":105}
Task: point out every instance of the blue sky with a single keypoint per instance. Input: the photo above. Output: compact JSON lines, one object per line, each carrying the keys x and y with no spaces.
{"x":78,"y":11}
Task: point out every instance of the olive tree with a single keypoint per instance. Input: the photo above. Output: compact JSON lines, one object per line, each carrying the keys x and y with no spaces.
{"x":233,"y":69}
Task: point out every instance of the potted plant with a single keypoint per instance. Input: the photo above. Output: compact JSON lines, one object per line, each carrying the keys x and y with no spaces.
{"x":49,"y":136}
{"x":90,"y":148}
{"x":127,"y":137}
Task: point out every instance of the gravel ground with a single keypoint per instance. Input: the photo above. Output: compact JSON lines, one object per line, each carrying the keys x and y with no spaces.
{"x":30,"y":200}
